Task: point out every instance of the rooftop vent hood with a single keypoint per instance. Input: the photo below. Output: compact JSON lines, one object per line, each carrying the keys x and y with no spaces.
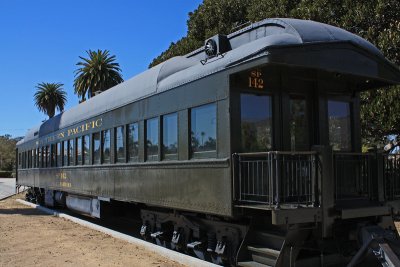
{"x":216,"y":45}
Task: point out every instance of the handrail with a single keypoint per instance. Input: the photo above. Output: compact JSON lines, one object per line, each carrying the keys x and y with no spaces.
{"x":353,"y":153}
{"x":275,"y":177}
{"x":257,"y":154}
{"x":353,"y":174}
{"x":279,"y":177}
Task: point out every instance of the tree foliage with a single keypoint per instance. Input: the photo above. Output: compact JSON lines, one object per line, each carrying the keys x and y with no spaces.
{"x":7,"y":153}
{"x":378,"y":21}
{"x":98,"y":72}
{"x":49,"y":97}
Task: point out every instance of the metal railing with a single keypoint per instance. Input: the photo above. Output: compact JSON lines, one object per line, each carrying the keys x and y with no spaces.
{"x":276,"y":178}
{"x":391,"y":176}
{"x":353,"y":174}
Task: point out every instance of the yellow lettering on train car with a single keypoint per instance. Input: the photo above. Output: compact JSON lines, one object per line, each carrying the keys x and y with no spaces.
{"x":255,"y":80}
{"x":65,"y":184}
{"x":93,"y":124}
{"x":99,"y":122}
{"x":85,"y":127}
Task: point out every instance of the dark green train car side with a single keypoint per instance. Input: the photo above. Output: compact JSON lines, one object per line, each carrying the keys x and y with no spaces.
{"x":201,"y":134}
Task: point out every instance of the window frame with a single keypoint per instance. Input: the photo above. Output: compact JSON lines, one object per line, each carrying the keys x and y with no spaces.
{"x":86,"y":159}
{"x":95,"y":160}
{"x":58,"y":154}
{"x":208,"y":153}
{"x":78,"y":146}
{"x":117,"y":159}
{"x":129,"y":157}
{"x":71,"y":153}
{"x":153,"y":157}
{"x":350,"y":102}
{"x":173,"y":156}
{"x":102,"y":147}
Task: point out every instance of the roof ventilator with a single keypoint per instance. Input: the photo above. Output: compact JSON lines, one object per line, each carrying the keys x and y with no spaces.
{"x":215,"y":46}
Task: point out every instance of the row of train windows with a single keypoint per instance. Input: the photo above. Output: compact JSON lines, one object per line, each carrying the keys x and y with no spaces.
{"x":97,"y":149}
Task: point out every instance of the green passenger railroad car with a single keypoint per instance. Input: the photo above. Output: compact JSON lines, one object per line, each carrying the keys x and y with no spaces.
{"x":246,"y":151}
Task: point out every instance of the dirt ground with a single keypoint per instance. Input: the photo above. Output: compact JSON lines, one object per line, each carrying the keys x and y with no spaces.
{"x":31,"y":238}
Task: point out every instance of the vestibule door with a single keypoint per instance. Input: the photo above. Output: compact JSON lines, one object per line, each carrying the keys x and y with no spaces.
{"x":298,"y":128}
{"x":256,"y":122}
{"x":259,"y":121}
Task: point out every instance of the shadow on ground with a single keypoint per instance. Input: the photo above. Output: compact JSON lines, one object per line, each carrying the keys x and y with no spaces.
{"x":20,"y":212}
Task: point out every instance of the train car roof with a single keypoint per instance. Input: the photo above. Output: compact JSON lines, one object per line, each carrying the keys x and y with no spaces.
{"x":260,"y":39}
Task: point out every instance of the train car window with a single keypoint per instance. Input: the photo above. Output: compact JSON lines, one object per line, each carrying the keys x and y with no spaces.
{"x":23,"y":160}
{"x":40,"y":157}
{"x":170,"y":136}
{"x":152,"y":139}
{"x":133,"y":142}
{"x":119,"y":144}
{"x":65,"y":153}
{"x":29,"y":159}
{"x":19,"y":160}
{"x":86,"y":149}
{"x":256,"y":122}
{"x":298,"y":123}
{"x":33,"y":158}
{"x":53,"y":155}
{"x":59,"y":157}
{"x":96,"y":148}
{"x":106,"y":146}
{"x":339,"y":125}
{"x":47,"y":156}
{"x":203,"y":130}
{"x":79,"y":151}
{"x":71,"y":152}
{"x":44,"y":157}
{"x":37,"y":158}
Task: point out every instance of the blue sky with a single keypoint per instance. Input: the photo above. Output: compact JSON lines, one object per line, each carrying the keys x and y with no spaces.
{"x":41,"y":41}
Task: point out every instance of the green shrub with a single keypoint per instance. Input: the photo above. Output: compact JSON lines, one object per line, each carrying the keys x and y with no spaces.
{"x":6,"y":174}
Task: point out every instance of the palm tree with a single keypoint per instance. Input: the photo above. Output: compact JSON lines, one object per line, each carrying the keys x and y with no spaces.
{"x":99,"y":72}
{"x":50,"y":96}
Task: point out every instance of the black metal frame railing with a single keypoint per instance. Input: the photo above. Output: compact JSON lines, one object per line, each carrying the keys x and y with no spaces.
{"x":353,"y":175}
{"x":276,"y":178}
{"x":391,"y":176}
